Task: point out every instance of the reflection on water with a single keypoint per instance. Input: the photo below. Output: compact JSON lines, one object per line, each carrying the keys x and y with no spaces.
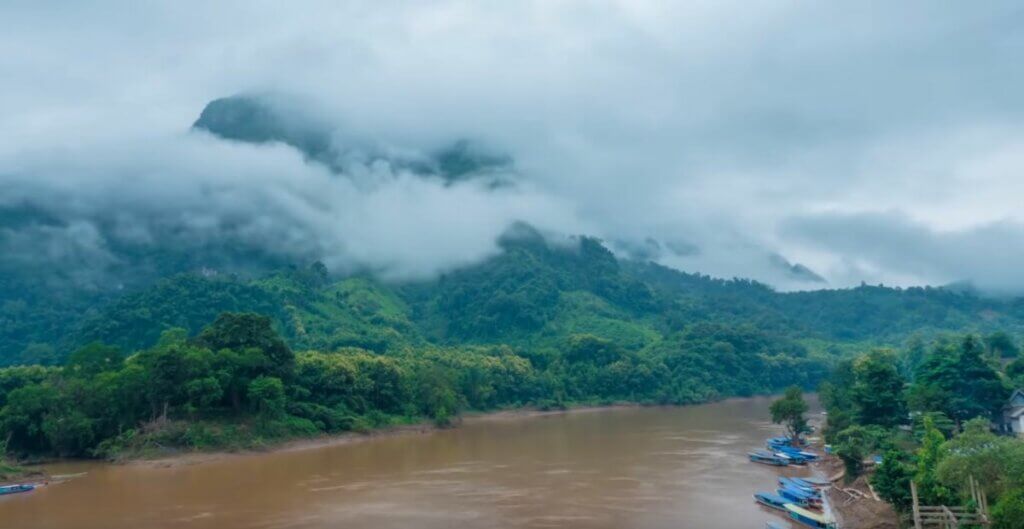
{"x":620,"y":468}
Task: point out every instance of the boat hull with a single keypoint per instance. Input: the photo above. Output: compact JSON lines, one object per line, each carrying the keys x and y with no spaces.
{"x":15,"y":489}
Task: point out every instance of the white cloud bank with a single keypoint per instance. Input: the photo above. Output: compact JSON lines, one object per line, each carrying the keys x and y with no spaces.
{"x":844,"y":136}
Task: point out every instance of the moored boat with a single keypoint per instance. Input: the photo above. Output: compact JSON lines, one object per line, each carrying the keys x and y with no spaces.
{"x":768,"y":458}
{"x":808,"y":518}
{"x":14,"y":489}
{"x":771,"y":501}
{"x":796,"y":453}
{"x":793,"y":483}
{"x":793,"y":459}
{"x":796,"y":497}
{"x":816,"y":483}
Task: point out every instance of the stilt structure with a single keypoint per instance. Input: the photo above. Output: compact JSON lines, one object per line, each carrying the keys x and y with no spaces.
{"x":945,"y":517}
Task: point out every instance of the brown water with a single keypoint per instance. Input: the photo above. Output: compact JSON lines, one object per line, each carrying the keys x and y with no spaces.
{"x":618,"y":468}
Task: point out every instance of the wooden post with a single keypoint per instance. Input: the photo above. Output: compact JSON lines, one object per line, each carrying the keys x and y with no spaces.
{"x":917,"y":510}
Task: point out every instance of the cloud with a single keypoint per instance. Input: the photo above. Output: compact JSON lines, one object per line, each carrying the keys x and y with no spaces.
{"x":716,"y":127}
{"x":892,"y":245}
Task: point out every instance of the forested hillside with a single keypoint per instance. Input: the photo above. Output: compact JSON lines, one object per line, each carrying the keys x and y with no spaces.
{"x":530,"y":296}
{"x":215,"y":359}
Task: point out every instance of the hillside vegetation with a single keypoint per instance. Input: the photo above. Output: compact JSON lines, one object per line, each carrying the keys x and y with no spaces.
{"x":216,"y":360}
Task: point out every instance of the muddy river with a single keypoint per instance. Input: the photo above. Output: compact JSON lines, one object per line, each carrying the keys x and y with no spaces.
{"x":616,"y":468}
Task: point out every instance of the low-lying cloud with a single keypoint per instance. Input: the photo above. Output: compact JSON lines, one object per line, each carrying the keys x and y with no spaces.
{"x":779,"y":141}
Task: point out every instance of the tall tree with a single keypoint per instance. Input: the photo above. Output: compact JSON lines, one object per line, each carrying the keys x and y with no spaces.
{"x":789,"y":411}
{"x":1001,"y":345}
{"x":956,"y":380}
{"x":931,"y":452}
{"x":892,"y":480}
{"x":878,"y":391}
{"x":241,"y":331}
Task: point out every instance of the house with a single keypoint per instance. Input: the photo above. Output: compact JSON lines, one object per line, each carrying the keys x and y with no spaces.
{"x":1013,"y":414}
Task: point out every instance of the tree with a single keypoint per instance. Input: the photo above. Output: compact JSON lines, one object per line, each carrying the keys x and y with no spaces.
{"x":21,"y":419}
{"x":939,"y":420}
{"x":167,"y":374}
{"x":856,"y":443}
{"x":69,"y":432}
{"x":94,"y":358}
{"x":591,"y":349}
{"x":789,"y":411}
{"x":892,"y":480}
{"x":996,"y":462}
{"x":1015,"y":370}
{"x":203,"y":393}
{"x":933,"y":448}
{"x":957,"y":381}
{"x":1001,"y":345}
{"x":1008,"y":512}
{"x":878,"y":391}
{"x":242,"y":331}
{"x":266,"y":394}
{"x":436,"y":395}
{"x":912,"y":357}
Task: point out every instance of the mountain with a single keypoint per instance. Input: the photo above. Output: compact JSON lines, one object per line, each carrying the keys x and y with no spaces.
{"x":532,"y":295}
{"x":260,"y":119}
{"x":205,"y":360}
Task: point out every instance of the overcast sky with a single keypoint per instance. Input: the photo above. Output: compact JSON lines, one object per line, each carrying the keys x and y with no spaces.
{"x":869,"y":141}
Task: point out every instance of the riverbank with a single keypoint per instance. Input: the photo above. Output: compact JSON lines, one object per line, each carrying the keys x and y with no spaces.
{"x":854,"y":505}
{"x":176,"y":458}
{"x":14,"y":474}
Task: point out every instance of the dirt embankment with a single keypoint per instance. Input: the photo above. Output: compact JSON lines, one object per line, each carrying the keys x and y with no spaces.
{"x":854,"y":504}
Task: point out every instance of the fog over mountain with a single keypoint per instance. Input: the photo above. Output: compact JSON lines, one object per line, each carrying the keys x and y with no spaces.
{"x":801,"y":144}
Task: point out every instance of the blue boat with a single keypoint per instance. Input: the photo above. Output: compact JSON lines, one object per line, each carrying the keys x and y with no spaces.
{"x":800,"y":497}
{"x":794,"y":459}
{"x":768,"y":458}
{"x":808,"y":518}
{"x":14,"y":489}
{"x":813,"y":482}
{"x":771,"y":501}
{"x":797,"y":453}
{"x":774,"y":442}
{"x":794,"y":497}
{"x":793,"y":483}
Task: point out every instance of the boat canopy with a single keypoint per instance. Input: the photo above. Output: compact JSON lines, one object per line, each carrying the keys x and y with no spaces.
{"x":813,"y":516}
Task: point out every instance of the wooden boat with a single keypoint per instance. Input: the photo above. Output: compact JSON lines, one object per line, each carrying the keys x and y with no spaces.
{"x":793,"y":483}
{"x":796,"y":497}
{"x":771,"y":501}
{"x":768,"y":458}
{"x":816,"y":483}
{"x":806,"y":498}
{"x":797,"y":453}
{"x":793,"y":459}
{"x":14,"y":489}
{"x":808,"y":518}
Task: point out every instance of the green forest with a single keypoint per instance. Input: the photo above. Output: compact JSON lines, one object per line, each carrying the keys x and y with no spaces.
{"x":204,"y":360}
{"x":929,"y":410}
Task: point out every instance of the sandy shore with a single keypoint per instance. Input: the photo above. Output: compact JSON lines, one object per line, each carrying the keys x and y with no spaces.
{"x":184,"y":458}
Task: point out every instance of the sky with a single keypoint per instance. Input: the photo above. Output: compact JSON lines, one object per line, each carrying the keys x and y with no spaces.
{"x":878,"y":142}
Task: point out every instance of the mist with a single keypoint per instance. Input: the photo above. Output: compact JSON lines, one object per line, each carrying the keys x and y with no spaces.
{"x":799,"y":144}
